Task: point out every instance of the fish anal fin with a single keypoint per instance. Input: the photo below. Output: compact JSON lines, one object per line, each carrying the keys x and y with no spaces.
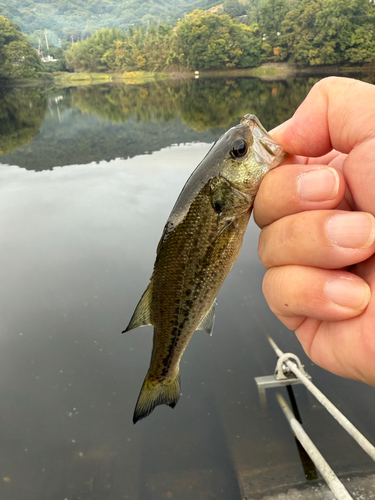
{"x":207,"y":323}
{"x":142,"y":313}
{"x":155,"y":393}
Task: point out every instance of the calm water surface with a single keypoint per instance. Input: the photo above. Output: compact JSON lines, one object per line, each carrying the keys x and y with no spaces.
{"x":88,"y":177}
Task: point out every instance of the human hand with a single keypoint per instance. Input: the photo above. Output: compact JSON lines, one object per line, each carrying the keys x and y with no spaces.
{"x":317,"y":212}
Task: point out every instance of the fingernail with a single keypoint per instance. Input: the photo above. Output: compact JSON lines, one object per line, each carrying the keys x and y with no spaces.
{"x":319,"y":184}
{"x":348,"y":293}
{"x":352,"y":229}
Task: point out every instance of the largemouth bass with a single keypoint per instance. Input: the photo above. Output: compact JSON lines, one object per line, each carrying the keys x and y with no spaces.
{"x":200,"y":243}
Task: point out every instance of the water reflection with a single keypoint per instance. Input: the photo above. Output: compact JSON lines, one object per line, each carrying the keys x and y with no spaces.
{"x":92,"y":123}
{"x":202,"y":104}
{"x":22,"y":112}
{"x":77,"y":245}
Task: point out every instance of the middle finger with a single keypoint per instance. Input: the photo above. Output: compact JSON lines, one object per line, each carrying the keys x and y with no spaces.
{"x":329,"y":239}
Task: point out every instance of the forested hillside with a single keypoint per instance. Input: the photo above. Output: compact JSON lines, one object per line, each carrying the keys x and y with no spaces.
{"x":236,"y":34}
{"x":201,"y":41}
{"x":77,"y":19}
{"x":307,"y":33}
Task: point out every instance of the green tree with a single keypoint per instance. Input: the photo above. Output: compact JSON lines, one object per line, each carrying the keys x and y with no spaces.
{"x":299,"y":31}
{"x":252,"y":13}
{"x":18,"y":58}
{"x":95,"y":53}
{"x":318,"y":32}
{"x":233,"y":8}
{"x":247,"y":45}
{"x":345,"y":32}
{"x":152,"y":49}
{"x":212,"y":41}
{"x":271,"y":15}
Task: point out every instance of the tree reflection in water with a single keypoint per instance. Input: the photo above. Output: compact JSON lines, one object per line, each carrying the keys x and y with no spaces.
{"x":22,"y":112}
{"x":103,"y":122}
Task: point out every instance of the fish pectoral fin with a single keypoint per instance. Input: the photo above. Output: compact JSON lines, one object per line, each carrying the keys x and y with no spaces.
{"x":142,"y":313}
{"x":207,"y":323}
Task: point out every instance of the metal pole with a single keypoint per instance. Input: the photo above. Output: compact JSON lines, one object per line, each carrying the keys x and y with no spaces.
{"x":308,"y":465}
{"x":335,"y":412}
{"x":45,"y":34}
{"x":334,"y":484}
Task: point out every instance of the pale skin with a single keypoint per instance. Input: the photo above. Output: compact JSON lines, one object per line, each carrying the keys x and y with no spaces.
{"x":317,"y":241}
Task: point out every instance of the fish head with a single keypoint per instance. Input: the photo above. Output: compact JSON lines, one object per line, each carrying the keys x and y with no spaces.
{"x":248,"y":153}
{"x":243,"y":155}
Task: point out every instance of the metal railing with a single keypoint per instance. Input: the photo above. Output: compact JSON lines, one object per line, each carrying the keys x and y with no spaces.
{"x":289,"y":370}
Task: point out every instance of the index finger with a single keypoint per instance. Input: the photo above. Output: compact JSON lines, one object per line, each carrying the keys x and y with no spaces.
{"x":338,"y":113}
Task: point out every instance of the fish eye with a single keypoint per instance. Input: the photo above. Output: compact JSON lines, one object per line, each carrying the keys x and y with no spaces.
{"x":239,"y":149}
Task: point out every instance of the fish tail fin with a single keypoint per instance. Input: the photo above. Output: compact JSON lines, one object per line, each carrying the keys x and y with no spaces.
{"x":156,"y":392}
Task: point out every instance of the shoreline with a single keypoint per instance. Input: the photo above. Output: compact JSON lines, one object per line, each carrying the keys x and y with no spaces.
{"x":267,"y":71}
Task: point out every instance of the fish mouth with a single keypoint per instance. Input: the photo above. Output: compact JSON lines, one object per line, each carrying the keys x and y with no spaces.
{"x":265,"y":148}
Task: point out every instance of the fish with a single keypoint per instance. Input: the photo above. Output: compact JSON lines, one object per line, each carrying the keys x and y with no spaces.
{"x":198,"y":247}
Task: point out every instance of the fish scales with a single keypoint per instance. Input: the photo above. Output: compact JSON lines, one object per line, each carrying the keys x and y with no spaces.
{"x":200,"y":243}
{"x":181,"y":291}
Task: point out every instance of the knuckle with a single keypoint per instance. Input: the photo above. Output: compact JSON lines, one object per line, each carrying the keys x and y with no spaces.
{"x":262,"y":248}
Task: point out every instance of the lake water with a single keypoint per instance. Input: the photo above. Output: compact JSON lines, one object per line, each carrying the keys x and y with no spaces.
{"x":88,"y":176}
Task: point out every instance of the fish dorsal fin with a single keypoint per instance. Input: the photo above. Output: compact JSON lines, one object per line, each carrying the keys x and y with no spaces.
{"x":142,"y":313}
{"x":207,"y":322}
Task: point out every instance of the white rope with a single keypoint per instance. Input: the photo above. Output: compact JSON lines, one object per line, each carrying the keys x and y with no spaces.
{"x":335,"y":412}
{"x":338,"y":489}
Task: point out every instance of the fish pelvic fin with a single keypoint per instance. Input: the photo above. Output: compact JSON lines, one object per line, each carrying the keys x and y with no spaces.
{"x":207,"y":323}
{"x":142,"y":313}
{"x":156,"y":392}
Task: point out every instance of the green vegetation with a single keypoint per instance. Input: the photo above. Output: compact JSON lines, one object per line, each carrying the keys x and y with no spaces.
{"x":329,"y":32}
{"x":234,"y":8}
{"x":213,"y":41}
{"x":202,"y":41}
{"x":18,"y":58}
{"x":270,"y":16}
{"x":78,"y":19}
{"x":137,"y":49}
{"x":65,"y":79}
{"x":302,"y":32}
